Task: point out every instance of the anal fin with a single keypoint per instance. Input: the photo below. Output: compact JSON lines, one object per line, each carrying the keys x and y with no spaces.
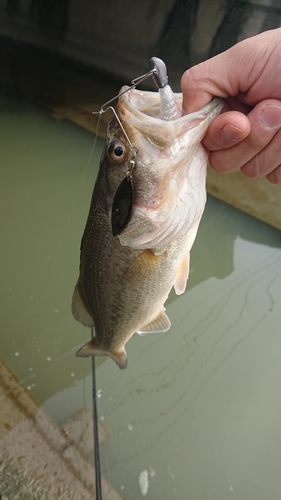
{"x":159,"y":324}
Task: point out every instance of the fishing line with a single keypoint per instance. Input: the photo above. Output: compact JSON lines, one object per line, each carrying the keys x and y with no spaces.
{"x":63,"y":235}
{"x":86,"y":169}
{"x":96,"y":432}
{"x":65,"y":227}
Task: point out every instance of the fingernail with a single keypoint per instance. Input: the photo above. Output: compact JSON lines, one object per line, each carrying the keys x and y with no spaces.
{"x":232,"y":133}
{"x":271,"y":117}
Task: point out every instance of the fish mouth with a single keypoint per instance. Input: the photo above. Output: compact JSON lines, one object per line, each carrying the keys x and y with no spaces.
{"x":169,"y":173}
{"x":140,"y":102}
{"x":140,"y":112}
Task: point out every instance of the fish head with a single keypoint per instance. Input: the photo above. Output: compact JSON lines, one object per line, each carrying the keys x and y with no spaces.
{"x":116,"y":157}
{"x":167,"y":165}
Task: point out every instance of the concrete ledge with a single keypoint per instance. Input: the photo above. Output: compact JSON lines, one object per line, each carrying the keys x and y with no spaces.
{"x":37,"y":456}
{"x":79,"y":429}
{"x":257,"y":197}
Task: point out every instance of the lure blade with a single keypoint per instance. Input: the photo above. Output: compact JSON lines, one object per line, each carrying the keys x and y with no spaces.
{"x":122,"y":206}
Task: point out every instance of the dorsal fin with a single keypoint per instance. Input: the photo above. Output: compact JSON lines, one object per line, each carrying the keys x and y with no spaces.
{"x":79,"y":310}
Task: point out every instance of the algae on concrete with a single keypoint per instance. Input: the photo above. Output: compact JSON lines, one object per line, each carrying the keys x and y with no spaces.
{"x":37,"y":457}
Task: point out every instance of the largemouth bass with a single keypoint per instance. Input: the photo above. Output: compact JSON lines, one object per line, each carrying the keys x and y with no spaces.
{"x":125,"y":279}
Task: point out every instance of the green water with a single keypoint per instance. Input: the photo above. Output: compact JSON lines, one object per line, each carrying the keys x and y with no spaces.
{"x":198,"y":407}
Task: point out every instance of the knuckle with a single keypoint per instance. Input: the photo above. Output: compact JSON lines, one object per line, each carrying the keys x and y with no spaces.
{"x":253,"y":169}
{"x":260,"y":141}
{"x":217,"y":163}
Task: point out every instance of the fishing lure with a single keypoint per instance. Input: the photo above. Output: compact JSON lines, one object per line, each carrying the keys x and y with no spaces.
{"x":124,"y":197}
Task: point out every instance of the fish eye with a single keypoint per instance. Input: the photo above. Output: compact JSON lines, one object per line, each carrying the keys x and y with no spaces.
{"x":116,"y":150}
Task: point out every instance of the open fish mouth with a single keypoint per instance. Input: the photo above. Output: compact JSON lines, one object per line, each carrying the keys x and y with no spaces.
{"x":142,"y":111}
{"x":160,"y":139}
{"x":170,"y":168}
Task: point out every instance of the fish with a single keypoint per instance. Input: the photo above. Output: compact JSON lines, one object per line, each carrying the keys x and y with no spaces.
{"x":153,"y":157}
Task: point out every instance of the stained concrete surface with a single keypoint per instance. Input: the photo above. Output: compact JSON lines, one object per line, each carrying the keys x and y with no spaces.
{"x":257,"y":197}
{"x":38,"y":460}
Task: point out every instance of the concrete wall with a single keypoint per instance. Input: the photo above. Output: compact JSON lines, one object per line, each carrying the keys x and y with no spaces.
{"x":120,"y":36}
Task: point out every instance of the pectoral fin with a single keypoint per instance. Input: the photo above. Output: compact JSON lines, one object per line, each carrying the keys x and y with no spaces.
{"x":159,"y":324}
{"x":182,"y":275}
{"x":92,"y":349}
{"x":143,"y":268}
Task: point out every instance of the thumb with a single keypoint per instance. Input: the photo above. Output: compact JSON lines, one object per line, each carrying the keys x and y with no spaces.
{"x":249,"y":71}
{"x":208,"y":79}
{"x":194,"y":96}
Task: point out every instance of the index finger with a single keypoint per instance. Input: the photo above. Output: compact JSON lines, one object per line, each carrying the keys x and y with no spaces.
{"x":221,"y":76}
{"x":202,"y":82}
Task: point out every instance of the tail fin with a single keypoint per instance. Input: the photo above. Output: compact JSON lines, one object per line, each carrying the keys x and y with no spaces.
{"x":92,"y":349}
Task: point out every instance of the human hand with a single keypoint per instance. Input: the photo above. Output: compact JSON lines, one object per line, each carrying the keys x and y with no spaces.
{"x":247,"y":135}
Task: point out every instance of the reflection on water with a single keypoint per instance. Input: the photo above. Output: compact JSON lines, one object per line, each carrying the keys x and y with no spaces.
{"x":198,"y":406}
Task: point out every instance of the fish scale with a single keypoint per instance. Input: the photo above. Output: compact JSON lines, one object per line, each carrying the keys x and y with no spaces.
{"x":125,"y":278}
